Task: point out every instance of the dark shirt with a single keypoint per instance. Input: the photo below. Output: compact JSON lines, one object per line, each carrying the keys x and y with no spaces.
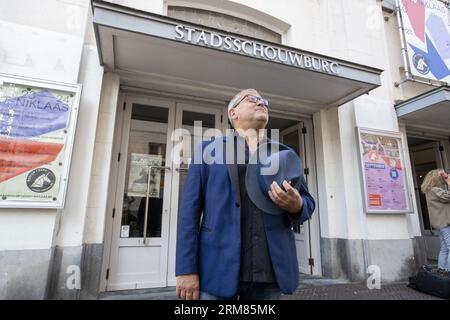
{"x":256,"y":265}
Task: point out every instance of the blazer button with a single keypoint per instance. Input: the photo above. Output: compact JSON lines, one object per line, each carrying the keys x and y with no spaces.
{"x":237,"y":204}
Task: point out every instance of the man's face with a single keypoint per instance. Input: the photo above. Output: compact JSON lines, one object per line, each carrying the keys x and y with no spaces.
{"x":250,"y":111}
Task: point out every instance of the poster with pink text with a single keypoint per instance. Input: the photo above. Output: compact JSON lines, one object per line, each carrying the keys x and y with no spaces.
{"x":385,"y":187}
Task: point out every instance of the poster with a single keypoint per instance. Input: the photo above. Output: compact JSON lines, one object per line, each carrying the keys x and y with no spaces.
{"x":426,"y":25}
{"x":385,"y":187}
{"x":37,"y":122}
{"x":138,"y":180}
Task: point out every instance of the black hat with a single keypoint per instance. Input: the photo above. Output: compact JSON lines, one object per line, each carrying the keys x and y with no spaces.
{"x":271,"y":162}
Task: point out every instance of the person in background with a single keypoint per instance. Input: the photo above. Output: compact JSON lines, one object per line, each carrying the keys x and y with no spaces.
{"x":435,"y":186}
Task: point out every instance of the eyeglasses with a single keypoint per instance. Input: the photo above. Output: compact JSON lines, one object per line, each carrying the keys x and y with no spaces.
{"x":253,"y":99}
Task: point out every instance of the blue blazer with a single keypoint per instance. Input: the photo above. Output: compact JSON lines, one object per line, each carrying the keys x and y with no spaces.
{"x":209,"y":244}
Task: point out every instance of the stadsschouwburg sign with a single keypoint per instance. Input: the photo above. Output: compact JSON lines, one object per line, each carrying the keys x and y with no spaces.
{"x":255,"y":49}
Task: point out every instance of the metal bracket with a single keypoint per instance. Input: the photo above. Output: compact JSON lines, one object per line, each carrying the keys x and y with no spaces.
{"x":386,"y":18}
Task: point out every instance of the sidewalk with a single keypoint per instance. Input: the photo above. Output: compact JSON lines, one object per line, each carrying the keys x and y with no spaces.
{"x":310,"y":288}
{"x":329,"y":289}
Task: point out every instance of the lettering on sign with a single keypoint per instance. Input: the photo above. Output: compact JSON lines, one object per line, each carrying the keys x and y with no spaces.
{"x":255,"y":49}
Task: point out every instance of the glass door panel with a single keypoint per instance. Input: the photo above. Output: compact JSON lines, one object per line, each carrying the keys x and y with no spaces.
{"x":144,"y":194}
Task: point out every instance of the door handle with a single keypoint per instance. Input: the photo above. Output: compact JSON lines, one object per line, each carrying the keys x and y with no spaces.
{"x":150,"y":168}
{"x":183,"y":167}
{"x":159,"y":167}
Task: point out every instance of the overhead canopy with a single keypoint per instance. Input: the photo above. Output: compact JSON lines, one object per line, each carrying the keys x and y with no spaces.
{"x":135,"y":41}
{"x":431,"y":108}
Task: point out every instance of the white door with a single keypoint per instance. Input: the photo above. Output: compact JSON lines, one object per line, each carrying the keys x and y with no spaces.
{"x":144,"y":245}
{"x":142,"y":207}
{"x":426,"y":157}
{"x":294,"y":138}
{"x":185,"y":141}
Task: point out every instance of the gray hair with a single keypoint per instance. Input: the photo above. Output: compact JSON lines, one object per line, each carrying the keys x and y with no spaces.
{"x":235,"y":100}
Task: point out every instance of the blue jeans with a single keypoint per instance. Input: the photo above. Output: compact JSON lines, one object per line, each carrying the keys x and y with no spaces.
{"x":444,"y":256}
{"x":250,"y":291}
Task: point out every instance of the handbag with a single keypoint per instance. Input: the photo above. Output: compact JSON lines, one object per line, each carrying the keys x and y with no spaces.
{"x":432,"y":281}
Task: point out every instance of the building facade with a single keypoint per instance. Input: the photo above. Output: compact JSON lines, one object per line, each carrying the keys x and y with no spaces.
{"x":147,"y":68}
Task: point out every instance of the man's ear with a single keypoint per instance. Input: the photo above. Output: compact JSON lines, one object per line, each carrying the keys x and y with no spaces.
{"x":233,"y":114}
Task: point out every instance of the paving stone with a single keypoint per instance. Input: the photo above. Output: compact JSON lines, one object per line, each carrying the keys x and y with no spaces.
{"x":358,"y":291}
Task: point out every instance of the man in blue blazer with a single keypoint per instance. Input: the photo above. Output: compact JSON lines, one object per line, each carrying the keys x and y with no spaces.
{"x":227,"y":247}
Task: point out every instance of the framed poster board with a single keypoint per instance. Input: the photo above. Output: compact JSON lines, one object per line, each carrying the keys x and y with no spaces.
{"x":385,"y":187}
{"x":37,"y":129}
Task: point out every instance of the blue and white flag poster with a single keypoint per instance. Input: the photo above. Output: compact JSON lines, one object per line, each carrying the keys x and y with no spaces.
{"x":426,"y":26}
{"x":35,"y":129}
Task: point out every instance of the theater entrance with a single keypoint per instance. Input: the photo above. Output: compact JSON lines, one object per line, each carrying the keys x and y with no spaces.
{"x":298,"y":134}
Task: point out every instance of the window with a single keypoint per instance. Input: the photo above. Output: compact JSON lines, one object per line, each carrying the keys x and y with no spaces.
{"x":223,"y":22}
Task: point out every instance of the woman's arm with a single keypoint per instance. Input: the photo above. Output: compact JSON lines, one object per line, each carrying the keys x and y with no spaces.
{"x":443,"y":195}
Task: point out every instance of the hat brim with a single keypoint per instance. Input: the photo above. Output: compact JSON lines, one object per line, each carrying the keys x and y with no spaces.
{"x":256,"y":195}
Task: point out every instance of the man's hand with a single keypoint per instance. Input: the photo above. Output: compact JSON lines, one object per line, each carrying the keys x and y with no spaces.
{"x":289,"y":200}
{"x":188,"y":287}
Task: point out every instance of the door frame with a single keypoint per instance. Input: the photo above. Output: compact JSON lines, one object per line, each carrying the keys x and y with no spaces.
{"x":428,"y":133}
{"x":310,"y":163}
{"x":440,"y":162}
{"x":111,"y":196}
{"x":299,"y":236}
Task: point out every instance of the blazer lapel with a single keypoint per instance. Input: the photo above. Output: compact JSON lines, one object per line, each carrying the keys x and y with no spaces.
{"x":232,"y":167}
